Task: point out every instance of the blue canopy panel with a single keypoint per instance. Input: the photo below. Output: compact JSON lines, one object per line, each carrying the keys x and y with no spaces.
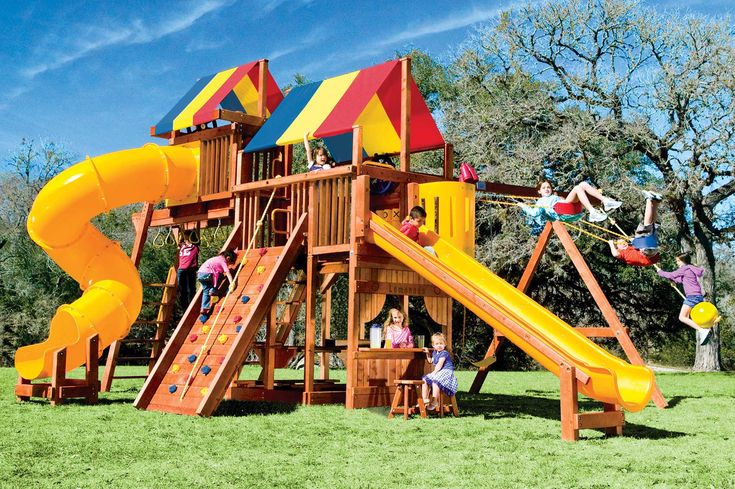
{"x":282,"y":118}
{"x":340,"y":147}
{"x":167,"y":122}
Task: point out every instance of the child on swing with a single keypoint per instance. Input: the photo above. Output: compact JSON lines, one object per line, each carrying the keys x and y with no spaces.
{"x":395,"y":330}
{"x":545,"y":205}
{"x":688,"y":276}
{"x":643,"y":251}
{"x":442,"y":378}
{"x":317,"y":159}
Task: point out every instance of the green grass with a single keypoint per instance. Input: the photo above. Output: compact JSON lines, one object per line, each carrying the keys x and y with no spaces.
{"x":507,"y":436}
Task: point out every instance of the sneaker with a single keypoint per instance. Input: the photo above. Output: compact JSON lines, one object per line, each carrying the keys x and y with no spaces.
{"x":654,"y":196}
{"x":703,"y":336}
{"x":610,"y":204}
{"x":597,"y":216}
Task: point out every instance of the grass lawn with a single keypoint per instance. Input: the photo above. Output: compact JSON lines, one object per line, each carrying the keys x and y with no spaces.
{"x":507,"y":436}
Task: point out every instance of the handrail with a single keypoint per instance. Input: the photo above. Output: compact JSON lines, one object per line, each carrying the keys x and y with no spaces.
{"x":271,"y":183}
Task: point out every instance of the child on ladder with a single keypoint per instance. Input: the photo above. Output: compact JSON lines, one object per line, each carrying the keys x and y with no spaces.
{"x":643,"y":251}
{"x":688,"y":276}
{"x":442,"y":378}
{"x":209,"y":276}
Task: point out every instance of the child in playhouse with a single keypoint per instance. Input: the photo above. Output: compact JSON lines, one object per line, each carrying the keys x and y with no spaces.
{"x":396,"y":331}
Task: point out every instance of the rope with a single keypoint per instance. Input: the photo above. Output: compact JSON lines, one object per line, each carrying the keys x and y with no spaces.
{"x":585,"y":232}
{"x":610,"y":231}
{"x":673,"y":286}
{"x":258,"y":227}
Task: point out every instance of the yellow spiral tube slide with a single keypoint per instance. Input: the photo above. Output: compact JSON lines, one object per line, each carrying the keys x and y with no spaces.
{"x":59,"y":222}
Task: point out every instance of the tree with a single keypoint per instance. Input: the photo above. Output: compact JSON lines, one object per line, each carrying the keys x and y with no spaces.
{"x":657,"y":89}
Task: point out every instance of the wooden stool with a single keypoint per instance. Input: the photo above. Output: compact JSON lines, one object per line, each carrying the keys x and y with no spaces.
{"x":405,"y":389}
{"x":448,"y":405}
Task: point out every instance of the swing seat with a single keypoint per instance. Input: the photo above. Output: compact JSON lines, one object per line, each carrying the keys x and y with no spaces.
{"x":646,"y":242}
{"x":485,"y":362}
{"x":568,"y":208}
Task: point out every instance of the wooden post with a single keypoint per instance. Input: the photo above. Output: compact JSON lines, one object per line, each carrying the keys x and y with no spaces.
{"x":107,"y":376}
{"x":607,"y":311}
{"x":533,"y":263}
{"x":269,"y":352}
{"x":405,"y":114}
{"x":357,"y":148}
{"x":448,"y":161}
{"x":92,"y":370}
{"x":58,"y":376}
{"x":262,"y":88}
{"x":569,"y":402}
{"x":325,"y":333}
{"x":141,"y":233}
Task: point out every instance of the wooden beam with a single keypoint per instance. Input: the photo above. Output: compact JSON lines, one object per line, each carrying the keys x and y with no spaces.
{"x":448,"y":161}
{"x":141,"y":232}
{"x":239,"y":117}
{"x":535,"y":260}
{"x":312,"y":277}
{"x":262,"y":88}
{"x":357,"y":148}
{"x":271,"y":183}
{"x":405,"y":289}
{"x":203,"y":134}
{"x":405,"y":114}
{"x":569,"y":402}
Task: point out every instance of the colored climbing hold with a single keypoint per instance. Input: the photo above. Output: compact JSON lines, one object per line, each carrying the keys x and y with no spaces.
{"x":237,"y":319}
{"x":262,"y":251}
{"x":175,"y":369}
{"x":260,"y":269}
{"x":172,"y":388}
{"x":203,"y":318}
{"x":204,"y":391}
{"x":206,"y":328}
{"x":216,"y":309}
{"x":222,"y":338}
{"x":214,"y":299}
{"x":238,"y":328}
{"x":245,"y":299}
{"x":206,"y":369}
{"x":260,"y":287}
{"x":193,"y":337}
{"x":192,"y":358}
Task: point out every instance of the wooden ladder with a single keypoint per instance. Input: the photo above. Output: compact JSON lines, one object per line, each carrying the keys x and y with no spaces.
{"x":162,"y":322}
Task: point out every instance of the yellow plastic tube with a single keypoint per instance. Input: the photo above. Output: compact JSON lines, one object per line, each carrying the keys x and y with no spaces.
{"x":612,"y":380}
{"x":59,"y":222}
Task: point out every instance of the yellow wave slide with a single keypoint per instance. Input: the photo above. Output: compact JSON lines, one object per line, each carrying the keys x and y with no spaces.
{"x":59,"y":222}
{"x":611,"y":379}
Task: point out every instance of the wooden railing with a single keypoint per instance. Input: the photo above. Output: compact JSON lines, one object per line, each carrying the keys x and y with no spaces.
{"x":215,"y":165}
{"x":329,"y":213}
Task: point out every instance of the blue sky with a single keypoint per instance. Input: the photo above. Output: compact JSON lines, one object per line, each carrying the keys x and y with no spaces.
{"x":96,"y":75}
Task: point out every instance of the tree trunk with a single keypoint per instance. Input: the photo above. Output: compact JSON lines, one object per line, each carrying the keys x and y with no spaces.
{"x":707,"y":358}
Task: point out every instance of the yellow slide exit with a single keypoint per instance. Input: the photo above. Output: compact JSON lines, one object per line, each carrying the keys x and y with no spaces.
{"x":59,"y":222}
{"x":611,"y":379}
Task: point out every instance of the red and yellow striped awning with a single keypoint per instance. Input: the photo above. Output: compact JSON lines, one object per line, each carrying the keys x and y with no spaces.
{"x":370,"y":98}
{"x":232,"y":89}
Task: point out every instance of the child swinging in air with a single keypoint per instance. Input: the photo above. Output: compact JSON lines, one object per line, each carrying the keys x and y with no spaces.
{"x":643,"y":251}
{"x":395,"y":330}
{"x":688,"y":276}
{"x":410,"y":226}
{"x":317,"y":159}
{"x":442,"y":378}
{"x":545,"y":208}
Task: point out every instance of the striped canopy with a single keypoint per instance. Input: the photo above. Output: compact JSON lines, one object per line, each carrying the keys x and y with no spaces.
{"x":233,"y":89}
{"x":370,"y":98}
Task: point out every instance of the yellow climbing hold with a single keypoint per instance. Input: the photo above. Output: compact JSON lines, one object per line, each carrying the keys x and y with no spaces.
{"x":260,"y":269}
{"x":206,"y":328}
{"x":175,"y":368}
{"x":204,"y":391}
{"x":222,"y":338}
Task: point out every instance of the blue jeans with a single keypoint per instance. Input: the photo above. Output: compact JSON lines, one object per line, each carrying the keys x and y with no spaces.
{"x":207,"y":281}
{"x":187,"y":280}
{"x":693,"y":300}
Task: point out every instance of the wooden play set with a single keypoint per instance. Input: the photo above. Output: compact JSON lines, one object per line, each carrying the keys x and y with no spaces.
{"x":296,"y":234}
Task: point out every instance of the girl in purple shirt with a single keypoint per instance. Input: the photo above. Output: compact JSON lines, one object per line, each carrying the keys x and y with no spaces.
{"x":688,"y":276}
{"x":209,"y":274}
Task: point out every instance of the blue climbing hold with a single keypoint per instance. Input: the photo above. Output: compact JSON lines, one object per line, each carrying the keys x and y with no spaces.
{"x":245,"y":299}
{"x":172,"y":388}
{"x":192,"y":358}
{"x":238,"y":328}
{"x":203,"y":318}
{"x":206,"y":369}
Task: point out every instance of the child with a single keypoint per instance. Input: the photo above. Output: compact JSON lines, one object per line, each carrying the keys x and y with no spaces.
{"x":544,"y":208}
{"x":410,"y":226}
{"x":186,"y":273}
{"x":643,"y":252}
{"x":442,"y":379}
{"x":395,"y":330}
{"x":688,"y":275}
{"x":317,"y":160}
{"x":209,"y":274}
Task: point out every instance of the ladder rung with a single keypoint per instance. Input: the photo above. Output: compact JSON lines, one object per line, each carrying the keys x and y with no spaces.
{"x":156,"y":303}
{"x":130,"y":377}
{"x":281,"y":303}
{"x":150,"y":321}
{"x":168,"y":286}
{"x":135,"y":358}
{"x":295,"y":282}
{"x":140,"y":340}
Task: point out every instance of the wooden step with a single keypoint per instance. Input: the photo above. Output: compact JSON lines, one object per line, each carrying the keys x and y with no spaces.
{"x":157,"y":303}
{"x":150,"y":321}
{"x":119,"y":359}
{"x":140,"y":340}
{"x":165,"y":286}
{"x":129,"y":377}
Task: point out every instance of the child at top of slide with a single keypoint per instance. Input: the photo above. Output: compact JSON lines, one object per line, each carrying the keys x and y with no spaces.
{"x":410,"y":226}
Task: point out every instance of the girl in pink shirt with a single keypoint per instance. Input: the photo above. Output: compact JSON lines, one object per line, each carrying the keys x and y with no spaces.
{"x":209,"y":275}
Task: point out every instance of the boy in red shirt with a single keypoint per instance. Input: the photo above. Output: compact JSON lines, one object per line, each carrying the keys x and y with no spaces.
{"x":643,"y":251}
{"x":410,"y":227}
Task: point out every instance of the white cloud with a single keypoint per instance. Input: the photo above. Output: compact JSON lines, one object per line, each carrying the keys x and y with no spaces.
{"x":96,"y":38}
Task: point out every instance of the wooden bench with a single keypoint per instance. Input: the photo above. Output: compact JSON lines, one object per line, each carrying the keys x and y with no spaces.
{"x":405,"y":391}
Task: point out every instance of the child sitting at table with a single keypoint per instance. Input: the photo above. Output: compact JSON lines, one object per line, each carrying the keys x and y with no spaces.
{"x":442,"y":378}
{"x":395,"y":330}
{"x":410,"y":226}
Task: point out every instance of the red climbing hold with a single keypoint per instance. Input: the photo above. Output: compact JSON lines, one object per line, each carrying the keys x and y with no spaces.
{"x":193,"y":337}
{"x":260,"y":287}
{"x":263,"y":251}
{"x":237,"y":319}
